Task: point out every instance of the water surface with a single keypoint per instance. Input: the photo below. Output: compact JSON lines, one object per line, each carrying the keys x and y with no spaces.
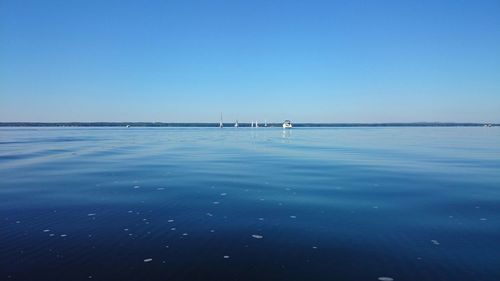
{"x":250,"y":204}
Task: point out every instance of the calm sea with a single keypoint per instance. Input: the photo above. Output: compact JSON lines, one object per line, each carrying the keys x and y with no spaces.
{"x":250,"y":204}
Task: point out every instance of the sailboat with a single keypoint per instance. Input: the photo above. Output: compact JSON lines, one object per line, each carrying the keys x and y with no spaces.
{"x":220,"y":123}
{"x":251,"y":124}
{"x":256,"y":124}
{"x":265,"y":123}
{"x":236,"y":124}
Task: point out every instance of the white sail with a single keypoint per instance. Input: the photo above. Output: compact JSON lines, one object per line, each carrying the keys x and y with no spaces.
{"x":220,"y":123}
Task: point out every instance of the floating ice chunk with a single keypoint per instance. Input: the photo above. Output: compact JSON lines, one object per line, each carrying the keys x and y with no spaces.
{"x":435,"y":242}
{"x":148,"y":260}
{"x":256,"y":236}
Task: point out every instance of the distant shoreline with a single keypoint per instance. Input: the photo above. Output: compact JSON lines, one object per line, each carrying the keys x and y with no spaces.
{"x":161,"y":124}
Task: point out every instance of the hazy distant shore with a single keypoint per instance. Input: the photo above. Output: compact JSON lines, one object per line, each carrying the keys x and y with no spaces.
{"x":161,"y":124}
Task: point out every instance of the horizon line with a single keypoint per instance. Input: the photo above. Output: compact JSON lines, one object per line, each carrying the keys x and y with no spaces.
{"x":243,"y":124}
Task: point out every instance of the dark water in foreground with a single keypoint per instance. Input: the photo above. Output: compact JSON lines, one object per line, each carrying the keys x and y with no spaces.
{"x":249,"y":204}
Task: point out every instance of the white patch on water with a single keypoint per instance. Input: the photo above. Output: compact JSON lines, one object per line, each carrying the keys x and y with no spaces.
{"x":91,"y":214}
{"x":256,"y":236}
{"x":226,"y":257}
{"x":435,"y":242}
{"x":385,"y":279}
{"x":148,"y":260}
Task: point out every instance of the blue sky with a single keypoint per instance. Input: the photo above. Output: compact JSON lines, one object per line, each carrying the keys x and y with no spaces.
{"x":308,"y":61}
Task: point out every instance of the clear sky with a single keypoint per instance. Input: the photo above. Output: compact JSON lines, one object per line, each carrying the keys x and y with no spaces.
{"x":308,"y":61}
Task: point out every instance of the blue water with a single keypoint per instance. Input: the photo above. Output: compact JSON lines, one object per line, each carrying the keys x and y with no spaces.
{"x":250,"y":204}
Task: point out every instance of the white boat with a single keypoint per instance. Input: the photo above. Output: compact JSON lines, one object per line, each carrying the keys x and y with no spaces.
{"x":287,"y":124}
{"x":236,"y":124}
{"x":256,"y":124}
{"x":251,"y":124}
{"x":220,"y":123}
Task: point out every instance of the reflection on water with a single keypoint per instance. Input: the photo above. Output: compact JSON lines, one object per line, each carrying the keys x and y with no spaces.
{"x":249,"y":204}
{"x":286,"y":133}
